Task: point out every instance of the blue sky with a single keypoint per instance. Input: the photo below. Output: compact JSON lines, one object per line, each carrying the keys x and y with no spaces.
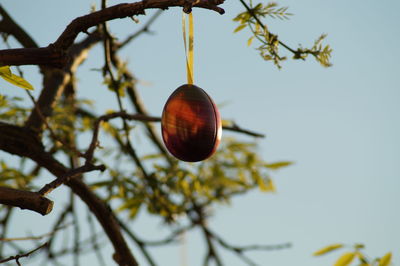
{"x":339,"y":125}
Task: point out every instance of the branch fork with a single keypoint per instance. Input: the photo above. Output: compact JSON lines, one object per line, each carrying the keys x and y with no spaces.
{"x":55,"y":54}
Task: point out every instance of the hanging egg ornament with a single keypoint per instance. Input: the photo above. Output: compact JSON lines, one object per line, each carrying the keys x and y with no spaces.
{"x":191,"y":124}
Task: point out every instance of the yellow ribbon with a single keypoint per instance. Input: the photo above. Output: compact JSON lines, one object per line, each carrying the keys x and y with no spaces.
{"x":189,"y":55}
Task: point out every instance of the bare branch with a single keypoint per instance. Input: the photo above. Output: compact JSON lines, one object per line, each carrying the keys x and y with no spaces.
{"x":9,"y":26}
{"x":68,"y":176}
{"x":33,"y":56}
{"x":137,"y":103}
{"x":17,"y":257}
{"x":240,"y":250}
{"x":235,"y":128}
{"x":138,"y":242}
{"x":20,"y":141}
{"x":145,"y":28}
{"x":34,"y":237}
{"x":55,"y":54}
{"x":25,"y":200}
{"x":89,"y":153}
{"x":147,"y":118}
{"x":55,"y":80}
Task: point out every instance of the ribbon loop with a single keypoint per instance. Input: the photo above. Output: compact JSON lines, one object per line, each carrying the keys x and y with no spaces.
{"x":188,"y":54}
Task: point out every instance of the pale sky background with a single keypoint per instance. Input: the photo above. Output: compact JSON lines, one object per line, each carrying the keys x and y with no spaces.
{"x":340,"y":125}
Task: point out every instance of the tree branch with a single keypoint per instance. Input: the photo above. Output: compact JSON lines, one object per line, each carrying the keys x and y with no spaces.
{"x":55,"y":80}
{"x":9,"y":26}
{"x":145,"y":28}
{"x":16,"y":258}
{"x":56,"y":54}
{"x":33,"y":56}
{"x":251,"y":12}
{"x":34,"y":237}
{"x":148,"y":118}
{"x":20,"y":141}
{"x":139,"y":106}
{"x":25,"y":200}
{"x":69,"y":175}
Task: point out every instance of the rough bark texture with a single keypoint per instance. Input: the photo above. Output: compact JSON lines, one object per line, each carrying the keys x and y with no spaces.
{"x":22,"y":142}
{"x":25,"y":200}
{"x":58,"y":62}
{"x":56,"y":54}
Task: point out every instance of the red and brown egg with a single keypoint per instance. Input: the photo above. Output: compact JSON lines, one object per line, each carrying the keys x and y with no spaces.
{"x":191,"y":124}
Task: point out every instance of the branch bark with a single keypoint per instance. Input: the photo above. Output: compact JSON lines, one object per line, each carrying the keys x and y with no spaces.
{"x":9,"y":26}
{"x":55,"y":80}
{"x":25,"y":200}
{"x":56,"y":54}
{"x":22,"y":142}
{"x":16,"y":258}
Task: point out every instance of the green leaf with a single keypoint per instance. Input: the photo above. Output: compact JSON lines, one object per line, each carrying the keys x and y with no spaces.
{"x":345,"y":259}
{"x":5,"y":70}
{"x":277,"y":165}
{"x":359,"y":246}
{"x":6,"y":74}
{"x":327,"y":249}
{"x":250,"y":40}
{"x":270,"y":186}
{"x":240,"y":27}
{"x":363,"y":259}
{"x":385,"y":260}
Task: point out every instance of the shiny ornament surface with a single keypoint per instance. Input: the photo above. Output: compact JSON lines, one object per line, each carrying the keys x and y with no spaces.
{"x":191,"y":124}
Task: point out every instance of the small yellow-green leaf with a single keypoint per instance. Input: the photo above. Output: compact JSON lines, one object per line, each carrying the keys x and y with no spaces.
{"x":226,"y":123}
{"x":240,"y":27}
{"x":17,"y":81}
{"x":5,"y":70}
{"x":261,"y":184}
{"x":362,"y":258}
{"x":385,"y":260}
{"x":327,"y":249}
{"x":250,"y":40}
{"x":359,"y":246}
{"x":345,"y":259}
{"x":270,"y":186}
{"x":277,"y":165}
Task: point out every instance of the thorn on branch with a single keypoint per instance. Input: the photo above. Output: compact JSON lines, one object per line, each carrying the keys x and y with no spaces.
{"x":135,"y":19}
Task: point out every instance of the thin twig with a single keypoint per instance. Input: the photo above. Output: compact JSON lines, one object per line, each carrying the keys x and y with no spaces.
{"x":104,"y":118}
{"x":35,"y":237}
{"x":240,"y":250}
{"x":55,"y":54}
{"x":251,"y":12}
{"x":140,"y":243}
{"x":52,"y":134}
{"x":5,"y":221}
{"x":145,"y":118}
{"x":108,"y":43}
{"x":235,"y":128}
{"x":68,"y":176}
{"x":145,"y":28}
{"x":19,"y":141}
{"x":67,"y":210}
{"x":95,"y":244}
{"x":17,"y":257}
